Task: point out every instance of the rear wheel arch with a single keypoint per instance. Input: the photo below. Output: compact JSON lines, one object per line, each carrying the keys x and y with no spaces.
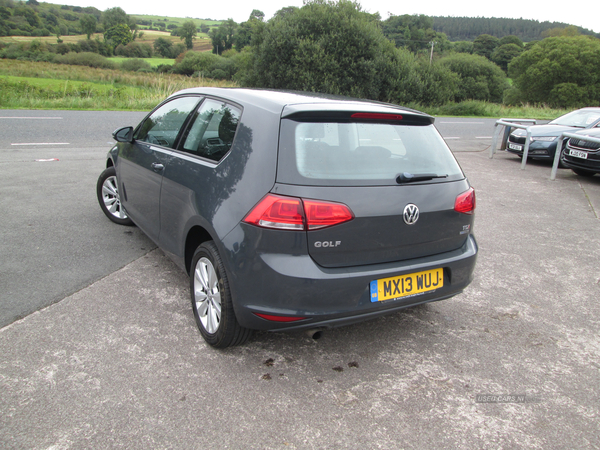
{"x":196,"y":236}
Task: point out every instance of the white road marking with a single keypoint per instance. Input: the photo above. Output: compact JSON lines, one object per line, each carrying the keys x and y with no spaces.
{"x":466,"y":123}
{"x":452,"y":138}
{"x":36,"y":118}
{"x":43,"y":143}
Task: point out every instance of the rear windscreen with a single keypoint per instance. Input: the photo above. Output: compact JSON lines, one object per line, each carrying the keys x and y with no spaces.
{"x":361,"y":153}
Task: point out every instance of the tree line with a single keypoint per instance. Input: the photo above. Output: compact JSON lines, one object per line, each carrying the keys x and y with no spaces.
{"x":468,"y":28}
{"x":335,"y":47}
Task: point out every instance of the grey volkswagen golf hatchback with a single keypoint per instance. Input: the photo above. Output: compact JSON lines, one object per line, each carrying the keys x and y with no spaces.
{"x":294,"y":211}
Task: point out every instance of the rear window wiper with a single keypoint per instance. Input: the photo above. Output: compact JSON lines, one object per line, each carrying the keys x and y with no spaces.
{"x":407,"y":177}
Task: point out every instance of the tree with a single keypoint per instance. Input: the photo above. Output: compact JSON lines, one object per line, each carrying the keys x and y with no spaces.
{"x":93,"y":11}
{"x":484,"y":45}
{"x":330,"y":47}
{"x":257,"y":14}
{"x":480,"y":79}
{"x":88,"y":24}
{"x":29,"y":14}
{"x":413,"y":32}
{"x":188,"y":32}
{"x":115,"y":16}
{"x":559,"y":65}
{"x":285,"y":11}
{"x":463,"y":47}
{"x":556,"y":32}
{"x":511,"y":40}
{"x":505,"y":54}
{"x":163,"y":47}
{"x":223,"y":37}
{"x":245,"y":30}
{"x":118,"y":35}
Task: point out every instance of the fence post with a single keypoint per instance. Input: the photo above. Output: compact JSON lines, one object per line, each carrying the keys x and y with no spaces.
{"x":509,"y":123}
{"x":559,"y":146}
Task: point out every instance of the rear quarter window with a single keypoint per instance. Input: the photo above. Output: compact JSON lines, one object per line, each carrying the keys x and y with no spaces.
{"x":212,"y":130}
{"x":348,"y":153}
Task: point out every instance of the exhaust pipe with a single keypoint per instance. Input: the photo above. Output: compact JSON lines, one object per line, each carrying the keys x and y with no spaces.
{"x":314,"y":333}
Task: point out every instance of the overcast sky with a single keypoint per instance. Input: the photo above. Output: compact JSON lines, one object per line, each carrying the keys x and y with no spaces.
{"x":580,"y":14}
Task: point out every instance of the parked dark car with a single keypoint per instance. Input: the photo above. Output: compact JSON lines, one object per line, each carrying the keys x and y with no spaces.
{"x":544,"y":138}
{"x":583,"y":156}
{"x":294,"y":211}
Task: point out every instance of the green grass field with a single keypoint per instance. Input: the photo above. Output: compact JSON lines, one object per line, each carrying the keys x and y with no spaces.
{"x":154,"y":62}
{"x":202,"y":42}
{"x":37,"y":85}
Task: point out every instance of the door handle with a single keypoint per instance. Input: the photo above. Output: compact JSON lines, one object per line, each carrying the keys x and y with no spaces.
{"x":157,"y":167}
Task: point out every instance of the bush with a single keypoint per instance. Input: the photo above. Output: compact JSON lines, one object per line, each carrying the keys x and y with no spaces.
{"x":196,"y":63}
{"x":567,"y":95}
{"x":86,"y":59}
{"x":61,"y":49}
{"x":134,"y":50}
{"x":512,"y":97}
{"x":164,"y":68}
{"x":467,"y":108}
{"x":87,"y":45}
{"x":35,"y":51}
{"x":479,"y":78}
{"x":136,"y":65}
{"x":218,"y":74}
{"x":437,"y":84}
{"x":177,"y":50}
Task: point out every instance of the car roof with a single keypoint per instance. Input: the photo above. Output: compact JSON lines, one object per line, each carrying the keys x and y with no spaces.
{"x":277,"y":100}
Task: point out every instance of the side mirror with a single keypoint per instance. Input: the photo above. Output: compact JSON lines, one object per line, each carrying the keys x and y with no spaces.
{"x":124,"y":134}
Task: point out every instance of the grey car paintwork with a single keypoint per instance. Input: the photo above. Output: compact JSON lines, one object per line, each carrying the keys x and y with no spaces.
{"x":272,"y":271}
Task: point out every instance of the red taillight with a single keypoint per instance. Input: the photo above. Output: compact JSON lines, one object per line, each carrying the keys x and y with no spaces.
{"x":465,"y":202}
{"x":274,"y":211}
{"x":291,"y":213}
{"x":376,"y":116}
{"x":325,"y":214}
{"x":273,"y":318}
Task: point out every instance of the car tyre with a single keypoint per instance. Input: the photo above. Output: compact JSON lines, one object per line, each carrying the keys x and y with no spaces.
{"x":583,"y":173}
{"x":107,"y":190}
{"x":211,"y":299}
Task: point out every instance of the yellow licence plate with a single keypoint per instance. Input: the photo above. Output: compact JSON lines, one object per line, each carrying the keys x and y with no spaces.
{"x":406,"y":285}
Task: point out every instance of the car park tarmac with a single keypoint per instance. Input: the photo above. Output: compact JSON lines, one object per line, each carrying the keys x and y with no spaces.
{"x":513,"y":362}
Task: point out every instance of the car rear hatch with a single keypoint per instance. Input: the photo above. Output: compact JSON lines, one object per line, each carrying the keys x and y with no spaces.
{"x":389,"y":167}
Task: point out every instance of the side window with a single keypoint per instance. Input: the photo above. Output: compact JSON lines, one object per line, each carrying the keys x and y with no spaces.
{"x":212,"y":130}
{"x":164,"y":124}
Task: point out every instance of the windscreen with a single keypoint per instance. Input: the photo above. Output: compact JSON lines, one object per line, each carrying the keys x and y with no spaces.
{"x":581,"y":118}
{"x":350,"y":153}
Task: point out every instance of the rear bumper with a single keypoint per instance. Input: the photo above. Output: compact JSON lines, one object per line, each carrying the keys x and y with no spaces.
{"x":294,"y":285}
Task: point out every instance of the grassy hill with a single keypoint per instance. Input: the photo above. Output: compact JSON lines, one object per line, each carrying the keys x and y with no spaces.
{"x":20,"y":21}
{"x":202,"y":42}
